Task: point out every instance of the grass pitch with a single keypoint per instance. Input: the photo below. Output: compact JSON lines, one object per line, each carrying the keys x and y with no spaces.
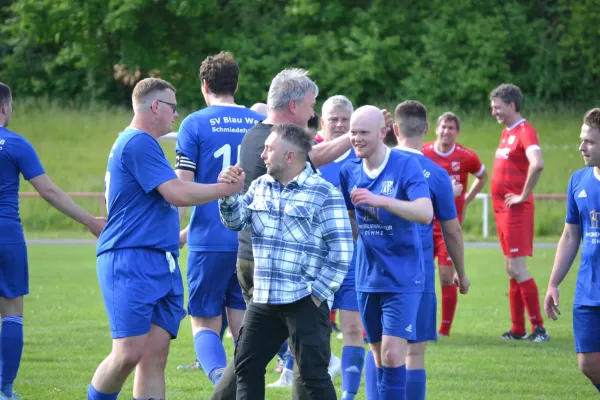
{"x":67,"y":336}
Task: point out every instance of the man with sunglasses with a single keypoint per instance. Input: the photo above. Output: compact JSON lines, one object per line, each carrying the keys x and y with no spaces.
{"x":138,"y":249}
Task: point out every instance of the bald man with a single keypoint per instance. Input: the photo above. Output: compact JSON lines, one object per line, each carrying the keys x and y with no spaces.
{"x":387,"y":198}
{"x":260,"y":108}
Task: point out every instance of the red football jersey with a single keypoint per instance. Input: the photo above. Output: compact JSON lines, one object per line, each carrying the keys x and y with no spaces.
{"x":511,"y":164}
{"x":459,"y":163}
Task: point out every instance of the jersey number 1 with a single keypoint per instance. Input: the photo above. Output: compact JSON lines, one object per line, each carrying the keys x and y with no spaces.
{"x":225,"y":151}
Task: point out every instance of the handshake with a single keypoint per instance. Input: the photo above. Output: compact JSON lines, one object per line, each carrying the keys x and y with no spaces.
{"x":234,"y":178}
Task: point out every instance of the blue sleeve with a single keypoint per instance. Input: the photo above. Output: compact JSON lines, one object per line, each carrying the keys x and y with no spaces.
{"x":572,"y":210}
{"x":344,"y":188}
{"x":187,"y":140}
{"x":443,"y":199}
{"x":28,"y":161}
{"x":413,"y":182}
{"x":145,"y":160}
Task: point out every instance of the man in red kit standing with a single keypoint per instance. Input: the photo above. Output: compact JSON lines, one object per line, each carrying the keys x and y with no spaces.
{"x":517,"y":168}
{"x":459,"y":162}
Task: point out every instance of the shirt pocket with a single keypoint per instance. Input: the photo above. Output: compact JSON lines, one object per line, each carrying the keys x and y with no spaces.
{"x":259,"y":218}
{"x":297,"y":223}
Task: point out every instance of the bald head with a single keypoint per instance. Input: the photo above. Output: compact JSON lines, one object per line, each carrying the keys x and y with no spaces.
{"x":260,"y":108}
{"x":370,"y":116}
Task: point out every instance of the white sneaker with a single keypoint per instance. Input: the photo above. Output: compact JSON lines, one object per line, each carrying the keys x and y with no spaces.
{"x":335,"y":366}
{"x":285,"y":380}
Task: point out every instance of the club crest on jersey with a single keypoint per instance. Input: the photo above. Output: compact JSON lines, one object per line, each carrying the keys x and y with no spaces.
{"x":387,"y":187}
{"x":511,"y":139}
{"x":455,"y":166}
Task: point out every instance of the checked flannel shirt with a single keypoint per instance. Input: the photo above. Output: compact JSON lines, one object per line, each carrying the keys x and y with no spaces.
{"x":301,"y":236}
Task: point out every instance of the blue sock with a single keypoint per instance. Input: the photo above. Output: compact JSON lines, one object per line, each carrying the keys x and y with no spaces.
{"x":210,"y":354}
{"x":597,"y":386}
{"x":393,"y":384}
{"x":11,"y":350}
{"x":415,"y":384}
{"x":93,"y":394}
{"x":282,"y":350}
{"x":353,"y":359}
{"x":371,"y":389}
{"x":289,"y":360}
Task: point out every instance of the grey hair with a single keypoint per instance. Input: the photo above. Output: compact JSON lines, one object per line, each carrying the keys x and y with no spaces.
{"x":337,"y":101}
{"x":288,"y":85}
{"x":145,"y":89}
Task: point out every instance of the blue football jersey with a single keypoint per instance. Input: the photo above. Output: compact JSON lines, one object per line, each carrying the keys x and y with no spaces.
{"x":208,"y":142}
{"x":442,"y":198}
{"x":583,"y":209}
{"x":331,"y":173}
{"x":17,"y":156}
{"x":138,"y":215}
{"x":389,"y":256}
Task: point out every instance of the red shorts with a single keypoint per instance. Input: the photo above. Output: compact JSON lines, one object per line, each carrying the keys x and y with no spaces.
{"x":515,"y":232}
{"x":440,"y":251}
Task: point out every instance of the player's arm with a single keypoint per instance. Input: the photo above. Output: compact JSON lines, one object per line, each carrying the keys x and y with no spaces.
{"x":63,"y":203}
{"x":336,"y":231}
{"x":419,"y":210}
{"x":566,"y":251}
{"x":234,"y":210}
{"x":327,"y":152}
{"x":187,"y":194}
{"x":476,"y":186}
{"x":536,"y":165}
{"x":353,"y":224}
{"x":186,"y":153}
{"x":186,"y":174}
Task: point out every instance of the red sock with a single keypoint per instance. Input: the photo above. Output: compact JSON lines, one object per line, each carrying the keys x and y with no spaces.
{"x":332,"y":316}
{"x":531,"y":298}
{"x":517,"y":309}
{"x":449,"y":300}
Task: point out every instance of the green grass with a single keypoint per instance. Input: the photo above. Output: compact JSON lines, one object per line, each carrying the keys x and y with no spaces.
{"x":74,"y":143}
{"x":67,"y":336}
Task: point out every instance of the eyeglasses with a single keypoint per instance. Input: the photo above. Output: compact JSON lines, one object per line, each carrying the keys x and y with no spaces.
{"x":172,"y":105}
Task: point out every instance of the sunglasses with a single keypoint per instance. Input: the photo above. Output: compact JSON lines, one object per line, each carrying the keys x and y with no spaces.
{"x":172,"y":105}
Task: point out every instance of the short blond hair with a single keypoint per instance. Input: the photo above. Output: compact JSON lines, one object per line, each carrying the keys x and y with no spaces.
{"x":147,"y":87}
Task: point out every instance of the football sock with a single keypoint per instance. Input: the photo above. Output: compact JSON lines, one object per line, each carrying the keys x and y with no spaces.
{"x":210,"y":354}
{"x":393,"y":383}
{"x":93,"y":394}
{"x":416,"y":384}
{"x":517,"y":309}
{"x":529,"y":292}
{"x":332,"y":316}
{"x":11,"y":350}
{"x":353,"y":359}
{"x":371,"y":386}
{"x":449,"y":300}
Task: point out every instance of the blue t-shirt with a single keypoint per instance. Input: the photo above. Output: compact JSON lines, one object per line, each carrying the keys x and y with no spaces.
{"x":331,"y":173}
{"x":208,"y":142}
{"x":138,"y":215}
{"x":389,"y":257}
{"x":583,"y":209}
{"x":17,"y":156}
{"x":442,"y":198}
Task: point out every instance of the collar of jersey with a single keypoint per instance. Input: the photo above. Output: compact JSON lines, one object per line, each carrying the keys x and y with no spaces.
{"x":299,"y":179}
{"x":409,"y":150}
{"x":376,"y":173}
{"x":513,"y":126}
{"x":228,"y":105}
{"x":446,"y":154}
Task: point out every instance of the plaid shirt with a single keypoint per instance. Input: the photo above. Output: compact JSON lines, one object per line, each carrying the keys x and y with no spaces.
{"x":301,"y":236}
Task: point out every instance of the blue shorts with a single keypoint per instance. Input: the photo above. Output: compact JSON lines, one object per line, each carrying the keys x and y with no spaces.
{"x":427,"y":319}
{"x":391,"y":314}
{"x":586,"y":328}
{"x":140,"y":287}
{"x":212,"y":280}
{"x":14,"y":270}
{"x":345,"y":298}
